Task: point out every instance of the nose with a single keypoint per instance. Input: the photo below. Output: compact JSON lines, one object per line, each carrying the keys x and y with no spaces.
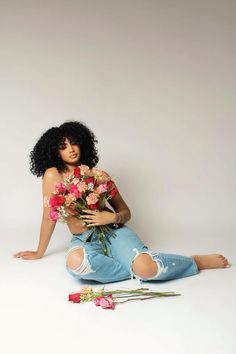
{"x":71,"y":147}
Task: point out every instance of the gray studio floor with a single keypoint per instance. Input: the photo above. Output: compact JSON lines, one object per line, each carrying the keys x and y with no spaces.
{"x":37,"y":318}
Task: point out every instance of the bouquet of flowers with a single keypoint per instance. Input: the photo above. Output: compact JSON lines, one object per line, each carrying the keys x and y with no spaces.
{"x":84,"y":188}
{"x":108,"y":299}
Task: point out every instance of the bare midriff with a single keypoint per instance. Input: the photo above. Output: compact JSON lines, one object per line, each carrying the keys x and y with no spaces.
{"x":75,"y":225}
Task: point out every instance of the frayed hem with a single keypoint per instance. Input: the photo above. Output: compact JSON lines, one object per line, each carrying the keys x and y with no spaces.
{"x":85,"y":267}
{"x":160,"y":267}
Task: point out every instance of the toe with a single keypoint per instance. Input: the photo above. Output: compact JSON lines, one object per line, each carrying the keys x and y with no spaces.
{"x":226,"y":263}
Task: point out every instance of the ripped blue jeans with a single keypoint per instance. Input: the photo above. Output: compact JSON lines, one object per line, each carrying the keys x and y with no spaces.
{"x":125,"y":247}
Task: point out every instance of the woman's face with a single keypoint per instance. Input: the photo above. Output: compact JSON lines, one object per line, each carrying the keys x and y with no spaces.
{"x":69,"y":152}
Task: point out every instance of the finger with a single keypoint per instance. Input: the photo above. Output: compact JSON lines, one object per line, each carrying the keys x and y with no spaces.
{"x":22,"y":256}
{"x":88,"y":217}
{"x":89,"y":211}
{"x":18,"y":254}
{"x":94,"y":224}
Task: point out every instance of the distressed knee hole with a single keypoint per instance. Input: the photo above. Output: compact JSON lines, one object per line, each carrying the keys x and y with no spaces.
{"x":144,"y":266}
{"x":77,"y":261}
{"x":75,"y":258}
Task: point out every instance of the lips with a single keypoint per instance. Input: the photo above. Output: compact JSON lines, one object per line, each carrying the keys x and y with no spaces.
{"x":72,"y":156}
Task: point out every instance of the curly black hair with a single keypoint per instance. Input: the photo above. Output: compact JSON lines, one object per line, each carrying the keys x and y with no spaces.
{"x":45,"y":152}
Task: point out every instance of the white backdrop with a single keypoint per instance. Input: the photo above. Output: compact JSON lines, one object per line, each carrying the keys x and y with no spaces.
{"x":155,"y":81}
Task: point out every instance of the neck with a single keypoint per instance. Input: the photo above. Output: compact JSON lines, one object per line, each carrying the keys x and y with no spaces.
{"x":70,"y":168}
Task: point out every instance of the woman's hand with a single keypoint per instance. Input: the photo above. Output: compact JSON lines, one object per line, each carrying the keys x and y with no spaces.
{"x":28,"y":255}
{"x":97,"y":218}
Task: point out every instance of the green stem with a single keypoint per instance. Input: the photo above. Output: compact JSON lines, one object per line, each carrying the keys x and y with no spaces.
{"x":146,"y":298}
{"x":138,"y":292}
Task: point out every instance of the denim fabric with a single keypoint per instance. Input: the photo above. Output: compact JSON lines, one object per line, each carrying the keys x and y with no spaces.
{"x":125,"y":247}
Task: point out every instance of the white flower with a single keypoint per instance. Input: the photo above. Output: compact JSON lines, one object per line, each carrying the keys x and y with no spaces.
{"x":90,"y":186}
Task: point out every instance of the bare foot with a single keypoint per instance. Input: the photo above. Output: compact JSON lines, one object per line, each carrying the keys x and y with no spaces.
{"x":210,"y":261}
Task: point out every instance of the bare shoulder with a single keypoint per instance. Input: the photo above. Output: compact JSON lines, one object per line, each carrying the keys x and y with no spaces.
{"x":50,"y":178}
{"x":52,"y":174}
{"x":103,"y":176}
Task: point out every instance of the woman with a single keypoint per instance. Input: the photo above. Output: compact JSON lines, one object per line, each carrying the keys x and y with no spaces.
{"x":54,"y":156}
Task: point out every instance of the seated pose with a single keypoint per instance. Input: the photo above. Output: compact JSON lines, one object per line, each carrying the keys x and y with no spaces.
{"x":58,"y":151}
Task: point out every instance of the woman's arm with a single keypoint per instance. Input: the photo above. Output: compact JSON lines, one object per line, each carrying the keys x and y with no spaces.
{"x":122,"y":211}
{"x":51,"y":176}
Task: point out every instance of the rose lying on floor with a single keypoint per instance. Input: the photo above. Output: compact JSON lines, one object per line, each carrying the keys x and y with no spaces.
{"x":106,"y":302}
{"x":74,"y":297}
{"x":108,"y":299}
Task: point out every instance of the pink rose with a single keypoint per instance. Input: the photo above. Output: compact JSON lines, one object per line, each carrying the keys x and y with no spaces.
{"x":102,"y":188}
{"x":70,"y":198}
{"x":60,"y":187}
{"x":106,"y":302}
{"x":82,"y":186}
{"x":97,"y":301}
{"x":54,"y":215}
{"x":74,"y":190}
{"x":92,"y":198}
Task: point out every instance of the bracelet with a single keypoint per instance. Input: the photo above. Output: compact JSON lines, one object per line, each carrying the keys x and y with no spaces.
{"x":118,"y":218}
{"x":118,"y":222}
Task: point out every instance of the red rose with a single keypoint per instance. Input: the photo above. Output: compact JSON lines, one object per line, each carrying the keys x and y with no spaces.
{"x":77,"y":172}
{"x":56,"y":201}
{"x":74,"y":297}
{"x":89,"y":180}
{"x":110,"y":184}
{"x":93,"y":206}
{"x":113,"y":192}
